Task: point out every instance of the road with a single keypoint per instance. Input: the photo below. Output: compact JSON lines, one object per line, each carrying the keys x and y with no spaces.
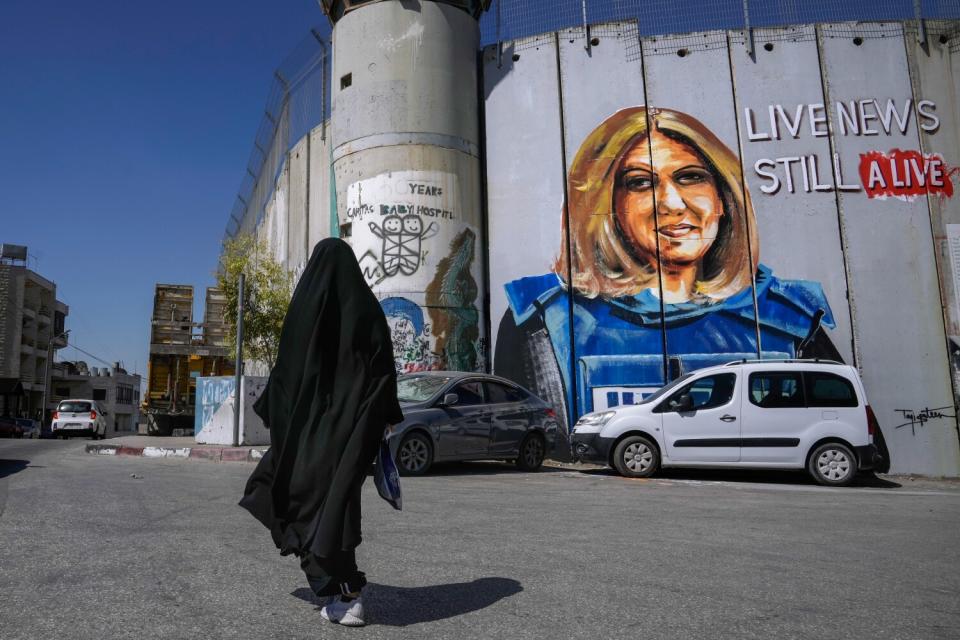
{"x":118,"y":547}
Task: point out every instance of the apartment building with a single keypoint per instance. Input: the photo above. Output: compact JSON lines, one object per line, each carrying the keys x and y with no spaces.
{"x":32,"y":323}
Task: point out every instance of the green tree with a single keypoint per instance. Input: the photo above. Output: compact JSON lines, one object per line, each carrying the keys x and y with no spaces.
{"x":267,"y":294}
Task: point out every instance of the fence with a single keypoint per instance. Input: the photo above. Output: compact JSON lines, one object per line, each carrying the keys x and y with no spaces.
{"x":299,"y":97}
{"x":297,"y":102}
{"x":513,"y":19}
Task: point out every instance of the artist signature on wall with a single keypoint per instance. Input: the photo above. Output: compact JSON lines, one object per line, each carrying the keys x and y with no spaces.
{"x":919,"y":418}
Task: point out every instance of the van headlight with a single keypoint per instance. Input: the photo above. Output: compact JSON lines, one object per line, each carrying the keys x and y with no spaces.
{"x":593,"y":421}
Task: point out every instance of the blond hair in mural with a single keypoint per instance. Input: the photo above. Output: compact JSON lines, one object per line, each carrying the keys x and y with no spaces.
{"x":603,"y":262}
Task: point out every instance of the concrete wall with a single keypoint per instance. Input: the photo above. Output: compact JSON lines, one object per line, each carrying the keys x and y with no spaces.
{"x":803,"y":148}
{"x":406,"y":153}
{"x":213,"y":421}
{"x":804,"y":131}
{"x":297,"y":214}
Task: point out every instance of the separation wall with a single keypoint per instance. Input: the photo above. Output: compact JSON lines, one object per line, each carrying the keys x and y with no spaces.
{"x":803,"y":198}
{"x":297,"y":212}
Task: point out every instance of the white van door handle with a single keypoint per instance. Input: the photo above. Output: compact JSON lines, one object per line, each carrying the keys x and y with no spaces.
{"x":728,"y":418}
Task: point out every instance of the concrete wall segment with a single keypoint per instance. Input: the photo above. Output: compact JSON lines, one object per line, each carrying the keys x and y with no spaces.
{"x":417,"y":76}
{"x":935,"y":76}
{"x":297,"y":252}
{"x":890,"y":249}
{"x":797,"y":225}
{"x":524,"y":169}
{"x":319,"y":190}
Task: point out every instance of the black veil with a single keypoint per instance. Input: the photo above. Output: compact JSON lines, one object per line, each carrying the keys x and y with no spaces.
{"x":329,"y":397}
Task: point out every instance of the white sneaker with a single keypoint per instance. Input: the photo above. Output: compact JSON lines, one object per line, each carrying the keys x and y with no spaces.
{"x":349,"y":614}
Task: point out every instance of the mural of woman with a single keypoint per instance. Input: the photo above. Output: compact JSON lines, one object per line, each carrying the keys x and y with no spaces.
{"x":663,"y":254}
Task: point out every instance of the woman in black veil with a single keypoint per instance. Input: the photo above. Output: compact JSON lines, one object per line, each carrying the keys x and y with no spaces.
{"x":329,"y":398}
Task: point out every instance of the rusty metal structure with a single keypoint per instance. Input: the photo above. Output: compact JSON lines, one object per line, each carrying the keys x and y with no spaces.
{"x":181,"y":351}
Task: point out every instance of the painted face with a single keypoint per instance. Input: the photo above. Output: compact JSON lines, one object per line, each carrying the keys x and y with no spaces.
{"x":687,"y":198}
{"x":412,"y":224}
{"x":392,"y":224}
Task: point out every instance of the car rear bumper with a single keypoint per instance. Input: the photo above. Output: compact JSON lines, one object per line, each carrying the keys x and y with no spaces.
{"x":87,"y":430}
{"x":869,"y":457}
{"x":590,"y":447}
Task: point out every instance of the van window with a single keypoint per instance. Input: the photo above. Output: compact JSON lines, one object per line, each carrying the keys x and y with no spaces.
{"x":74,"y":407}
{"x":828,"y":390}
{"x":707,"y":392}
{"x":776,"y":390}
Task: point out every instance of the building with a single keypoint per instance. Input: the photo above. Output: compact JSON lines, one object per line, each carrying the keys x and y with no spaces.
{"x":181,"y":351}
{"x":31,"y":330}
{"x":117,"y":392}
{"x":650,"y":201}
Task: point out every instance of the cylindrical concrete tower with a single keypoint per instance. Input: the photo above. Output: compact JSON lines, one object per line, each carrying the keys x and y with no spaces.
{"x":405,"y":133}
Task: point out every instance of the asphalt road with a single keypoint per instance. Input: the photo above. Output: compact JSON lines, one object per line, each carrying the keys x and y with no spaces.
{"x":117,"y":547}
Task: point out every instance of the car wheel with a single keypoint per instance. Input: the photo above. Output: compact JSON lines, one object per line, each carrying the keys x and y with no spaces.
{"x":414,"y":455}
{"x":832,"y":464}
{"x":532,"y":452}
{"x":636,"y":457}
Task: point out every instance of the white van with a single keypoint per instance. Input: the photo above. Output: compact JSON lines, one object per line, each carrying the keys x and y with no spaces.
{"x":764,"y":414}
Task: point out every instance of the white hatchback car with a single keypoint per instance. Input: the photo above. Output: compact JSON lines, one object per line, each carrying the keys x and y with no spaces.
{"x":764,"y":414}
{"x":79,"y":418}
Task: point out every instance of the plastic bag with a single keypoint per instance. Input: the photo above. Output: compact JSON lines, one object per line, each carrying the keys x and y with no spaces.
{"x":387,"y":477}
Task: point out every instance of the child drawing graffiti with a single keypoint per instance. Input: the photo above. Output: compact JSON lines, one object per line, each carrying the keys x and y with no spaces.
{"x":402,"y":239}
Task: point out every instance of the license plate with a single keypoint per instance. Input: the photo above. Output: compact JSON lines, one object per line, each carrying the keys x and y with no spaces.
{"x":72,"y":425}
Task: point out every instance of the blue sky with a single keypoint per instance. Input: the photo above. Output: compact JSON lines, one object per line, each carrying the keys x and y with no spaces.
{"x":125,"y":129}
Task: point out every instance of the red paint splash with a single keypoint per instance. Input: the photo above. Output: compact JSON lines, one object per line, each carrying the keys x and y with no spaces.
{"x":905,"y":174}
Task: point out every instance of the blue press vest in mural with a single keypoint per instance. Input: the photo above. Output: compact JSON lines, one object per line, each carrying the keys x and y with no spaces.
{"x":618,"y":342}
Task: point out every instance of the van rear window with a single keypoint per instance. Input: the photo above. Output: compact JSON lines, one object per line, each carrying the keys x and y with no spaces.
{"x":828,"y":390}
{"x":74,"y":407}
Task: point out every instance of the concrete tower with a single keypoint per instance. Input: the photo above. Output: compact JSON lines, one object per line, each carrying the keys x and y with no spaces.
{"x":406,"y":162}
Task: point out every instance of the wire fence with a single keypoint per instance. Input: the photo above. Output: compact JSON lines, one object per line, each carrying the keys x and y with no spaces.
{"x":299,"y":97}
{"x":297,"y":102}
{"x":514,"y":19}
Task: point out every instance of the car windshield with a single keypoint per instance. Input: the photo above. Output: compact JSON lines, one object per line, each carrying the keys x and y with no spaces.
{"x":662,"y":391}
{"x":419,"y":388}
{"x":75,"y":407}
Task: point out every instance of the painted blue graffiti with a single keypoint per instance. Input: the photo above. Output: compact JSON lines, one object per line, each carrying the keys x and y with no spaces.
{"x":618,"y":342}
{"x":211,"y":394}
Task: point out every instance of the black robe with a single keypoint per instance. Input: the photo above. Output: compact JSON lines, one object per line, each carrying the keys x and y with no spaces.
{"x":329,"y":397}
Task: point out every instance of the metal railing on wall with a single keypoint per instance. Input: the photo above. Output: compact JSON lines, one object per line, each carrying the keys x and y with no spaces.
{"x":299,"y":98}
{"x":514,"y":19}
{"x":298,"y":101}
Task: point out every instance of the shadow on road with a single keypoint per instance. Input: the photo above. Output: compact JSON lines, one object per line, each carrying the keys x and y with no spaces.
{"x":10,"y":467}
{"x":756,"y":476}
{"x":405,"y":606}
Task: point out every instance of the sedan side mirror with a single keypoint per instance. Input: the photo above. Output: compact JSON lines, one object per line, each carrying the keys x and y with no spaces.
{"x":682,"y":403}
{"x":449,"y":400}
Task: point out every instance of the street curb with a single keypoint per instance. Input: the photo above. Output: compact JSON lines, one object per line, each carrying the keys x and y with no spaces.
{"x":211,"y":454}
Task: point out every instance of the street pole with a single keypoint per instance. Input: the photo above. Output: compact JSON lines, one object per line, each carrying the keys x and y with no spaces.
{"x":46,"y":380}
{"x":238,"y":367}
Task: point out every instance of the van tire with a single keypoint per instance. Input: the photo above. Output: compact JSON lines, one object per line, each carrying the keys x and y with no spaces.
{"x":832,"y":464}
{"x":636,"y":457}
